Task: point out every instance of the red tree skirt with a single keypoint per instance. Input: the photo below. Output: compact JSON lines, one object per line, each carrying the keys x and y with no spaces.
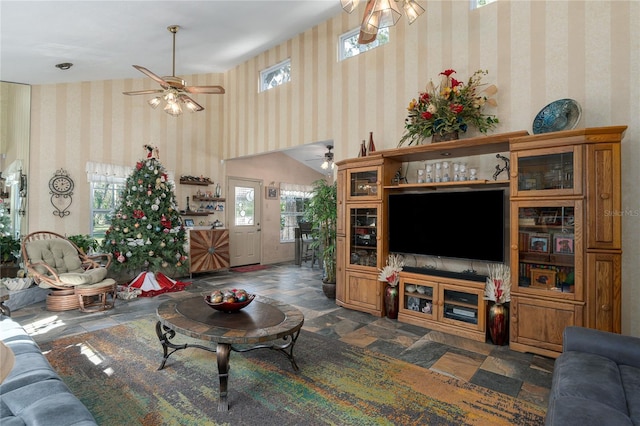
{"x":154,"y":284}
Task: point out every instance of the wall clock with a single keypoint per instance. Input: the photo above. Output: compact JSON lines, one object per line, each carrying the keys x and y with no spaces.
{"x":61,"y":190}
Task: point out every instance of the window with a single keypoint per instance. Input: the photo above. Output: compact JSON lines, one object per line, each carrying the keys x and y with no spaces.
{"x":294,"y":200}
{"x":349,"y":43}
{"x":475,"y":4}
{"x":104,"y":200}
{"x":275,"y":75}
{"x":106,"y":183}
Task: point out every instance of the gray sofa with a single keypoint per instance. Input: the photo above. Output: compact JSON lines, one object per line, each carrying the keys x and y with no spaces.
{"x":33,"y":393}
{"x":596,"y":380}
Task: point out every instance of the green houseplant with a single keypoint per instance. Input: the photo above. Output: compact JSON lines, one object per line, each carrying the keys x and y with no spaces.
{"x":85,"y":242}
{"x":322,"y":213}
{"x":10,"y":249}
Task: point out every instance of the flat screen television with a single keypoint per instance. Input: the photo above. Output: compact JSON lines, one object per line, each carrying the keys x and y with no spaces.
{"x":457,"y":224}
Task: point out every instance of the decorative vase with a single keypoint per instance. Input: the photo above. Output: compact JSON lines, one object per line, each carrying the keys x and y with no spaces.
{"x":372,"y":146}
{"x":391,"y":301}
{"x":449,"y":136}
{"x":363,"y":149}
{"x":498,"y":324}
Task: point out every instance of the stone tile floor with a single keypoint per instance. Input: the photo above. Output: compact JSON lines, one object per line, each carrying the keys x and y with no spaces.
{"x":525,"y":376}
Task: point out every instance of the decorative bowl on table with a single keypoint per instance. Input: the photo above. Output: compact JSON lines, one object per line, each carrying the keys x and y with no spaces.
{"x":16,"y":284}
{"x":228,"y":300}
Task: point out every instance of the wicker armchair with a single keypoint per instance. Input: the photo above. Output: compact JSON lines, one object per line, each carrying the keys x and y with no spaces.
{"x":75,"y":278}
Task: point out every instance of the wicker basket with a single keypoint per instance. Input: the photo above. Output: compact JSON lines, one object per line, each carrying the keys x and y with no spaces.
{"x":62,"y":300}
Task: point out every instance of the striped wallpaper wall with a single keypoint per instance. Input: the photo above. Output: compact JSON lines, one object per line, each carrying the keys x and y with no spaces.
{"x":535,"y":52}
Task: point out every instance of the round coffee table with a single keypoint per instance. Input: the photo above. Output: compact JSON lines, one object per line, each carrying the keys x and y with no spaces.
{"x":264,"y":324}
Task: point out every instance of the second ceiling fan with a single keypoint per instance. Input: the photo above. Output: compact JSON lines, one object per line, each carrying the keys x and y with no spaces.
{"x":174,"y":89}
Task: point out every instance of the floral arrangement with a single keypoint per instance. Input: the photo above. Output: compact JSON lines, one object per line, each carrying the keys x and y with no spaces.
{"x":498,"y":285}
{"x":391,"y":272}
{"x":450,"y":107}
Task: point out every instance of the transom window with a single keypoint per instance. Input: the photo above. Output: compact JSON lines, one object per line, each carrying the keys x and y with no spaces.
{"x":349,"y":43}
{"x":275,"y":76}
{"x":479,"y":3}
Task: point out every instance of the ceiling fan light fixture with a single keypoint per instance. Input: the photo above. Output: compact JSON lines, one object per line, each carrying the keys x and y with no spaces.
{"x":412,"y":9}
{"x":191,"y":106}
{"x":349,"y":5}
{"x":173,"y":108}
{"x":154,"y":102}
{"x":387,"y":14}
{"x":171,"y":97}
{"x":328,"y":159}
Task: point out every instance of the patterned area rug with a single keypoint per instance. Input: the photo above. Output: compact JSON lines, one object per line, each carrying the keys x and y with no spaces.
{"x":114,"y":372}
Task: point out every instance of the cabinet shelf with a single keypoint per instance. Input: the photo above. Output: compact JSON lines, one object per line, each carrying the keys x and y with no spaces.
{"x":195,"y":182}
{"x":196,"y":213}
{"x":196,"y":198}
{"x":436,"y":185}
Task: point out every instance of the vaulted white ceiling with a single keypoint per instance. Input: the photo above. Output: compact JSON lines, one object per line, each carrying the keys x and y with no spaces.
{"x":104,"y":38}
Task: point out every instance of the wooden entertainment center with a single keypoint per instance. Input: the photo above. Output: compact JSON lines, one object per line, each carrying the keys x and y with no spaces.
{"x":564,"y":244}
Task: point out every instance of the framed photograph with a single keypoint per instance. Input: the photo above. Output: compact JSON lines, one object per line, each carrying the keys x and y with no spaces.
{"x":539,"y":243}
{"x":564,"y":244}
{"x":271,"y":193}
{"x":543,"y":278}
{"x":549,"y":217}
{"x":188,"y":223}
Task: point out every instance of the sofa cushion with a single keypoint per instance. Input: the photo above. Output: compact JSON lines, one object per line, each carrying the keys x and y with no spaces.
{"x":631,"y":383}
{"x":57,"y":253}
{"x":571,"y":410}
{"x":589,"y":377}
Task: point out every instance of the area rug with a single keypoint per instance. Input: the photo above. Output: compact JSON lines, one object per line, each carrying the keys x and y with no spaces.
{"x":114,"y":372}
{"x":249,"y":268}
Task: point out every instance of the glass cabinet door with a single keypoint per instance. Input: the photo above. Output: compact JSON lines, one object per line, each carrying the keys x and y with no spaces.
{"x":547,"y":247}
{"x":364,"y":183}
{"x":363,"y":236}
{"x":552,"y":171}
{"x":418,"y":298}
{"x":462,"y":307}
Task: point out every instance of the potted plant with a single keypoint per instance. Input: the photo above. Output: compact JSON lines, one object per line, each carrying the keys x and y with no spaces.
{"x":9,"y":256}
{"x":85,"y":242}
{"x":322,"y":213}
{"x":443,"y":111}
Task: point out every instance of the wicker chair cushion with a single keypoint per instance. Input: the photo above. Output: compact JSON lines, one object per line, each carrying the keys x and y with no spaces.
{"x":57,"y":253}
{"x":91,"y":276}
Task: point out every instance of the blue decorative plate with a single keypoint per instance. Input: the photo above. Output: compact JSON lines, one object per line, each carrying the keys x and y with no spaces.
{"x":563,"y":114}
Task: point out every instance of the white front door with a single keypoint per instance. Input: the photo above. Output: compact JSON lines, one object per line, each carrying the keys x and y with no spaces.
{"x":243,"y":220}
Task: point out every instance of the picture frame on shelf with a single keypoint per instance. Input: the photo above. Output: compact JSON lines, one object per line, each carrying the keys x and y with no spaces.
{"x":188,"y":223}
{"x":564,"y":244}
{"x":539,"y":243}
{"x":549,"y":217}
{"x":271,"y":193}
{"x":543,"y":278}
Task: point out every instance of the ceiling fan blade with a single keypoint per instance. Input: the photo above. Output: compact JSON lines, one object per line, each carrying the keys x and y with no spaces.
{"x":368,"y":32}
{"x":143,"y":92}
{"x":191,"y":104}
{"x":154,"y":77}
{"x":212,"y":90}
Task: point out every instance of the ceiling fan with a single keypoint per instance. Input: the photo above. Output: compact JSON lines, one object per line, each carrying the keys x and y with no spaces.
{"x":174,"y":89}
{"x":328,"y":158}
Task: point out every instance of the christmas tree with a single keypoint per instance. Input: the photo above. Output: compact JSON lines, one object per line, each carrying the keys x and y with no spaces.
{"x":146,"y":232}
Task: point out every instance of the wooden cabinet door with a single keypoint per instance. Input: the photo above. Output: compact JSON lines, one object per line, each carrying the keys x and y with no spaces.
{"x":536,"y":325}
{"x":340,"y":210}
{"x":604,"y":300}
{"x":208,"y":250}
{"x":604,"y":197}
{"x":341,"y":252}
{"x":364,"y":292}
